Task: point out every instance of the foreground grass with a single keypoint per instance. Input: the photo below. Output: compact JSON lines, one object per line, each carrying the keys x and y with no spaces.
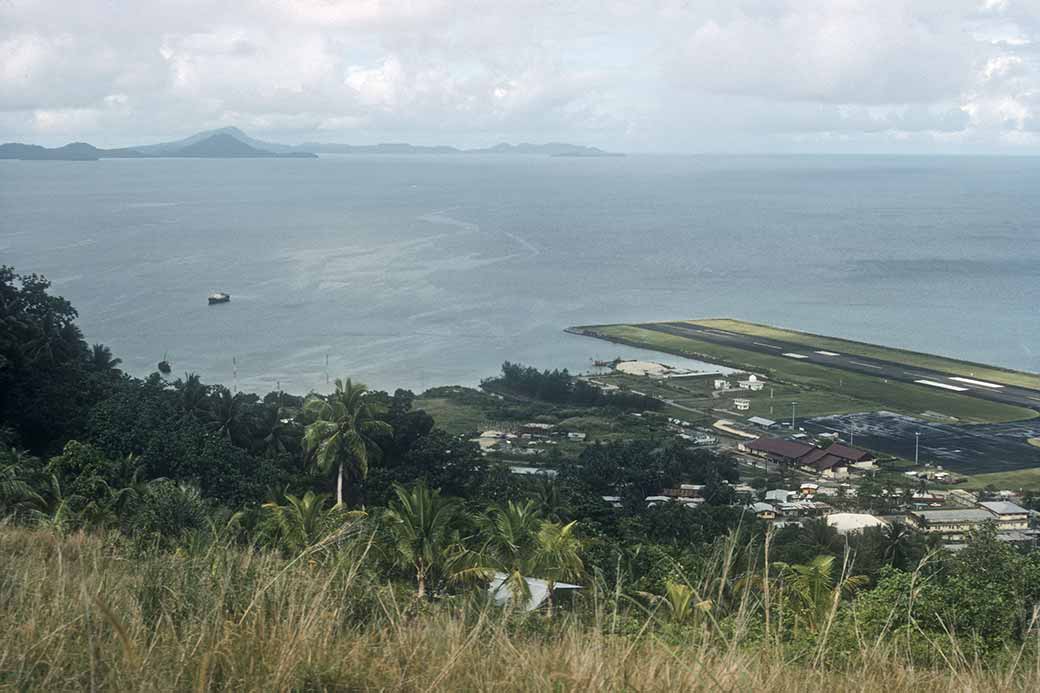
{"x":967,"y":369}
{"x":78,"y":613}
{"x":874,"y":393}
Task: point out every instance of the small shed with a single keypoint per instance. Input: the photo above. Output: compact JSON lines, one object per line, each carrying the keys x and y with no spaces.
{"x":538,"y":589}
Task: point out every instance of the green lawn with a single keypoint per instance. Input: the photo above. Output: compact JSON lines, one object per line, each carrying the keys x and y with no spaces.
{"x":1018,"y":479}
{"x":874,"y":393}
{"x":810,"y":403}
{"x":965,"y":369}
{"x":452,"y":415}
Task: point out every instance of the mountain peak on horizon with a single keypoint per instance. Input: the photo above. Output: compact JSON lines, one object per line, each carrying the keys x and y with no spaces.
{"x":232,"y":141}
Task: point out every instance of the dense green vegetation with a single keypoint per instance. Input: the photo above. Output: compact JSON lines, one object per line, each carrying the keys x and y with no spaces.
{"x":167,"y":534}
{"x":561,"y":388}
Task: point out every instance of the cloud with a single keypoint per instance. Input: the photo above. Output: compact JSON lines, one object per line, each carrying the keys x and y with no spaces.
{"x":657,"y":75}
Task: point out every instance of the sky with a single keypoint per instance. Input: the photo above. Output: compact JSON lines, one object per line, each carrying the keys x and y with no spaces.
{"x":688,"y":76}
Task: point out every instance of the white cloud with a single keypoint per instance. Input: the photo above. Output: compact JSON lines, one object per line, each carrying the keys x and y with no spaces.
{"x":660,"y":74}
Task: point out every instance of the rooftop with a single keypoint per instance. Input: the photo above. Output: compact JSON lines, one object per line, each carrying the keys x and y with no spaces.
{"x":849,"y":453}
{"x":853,"y":522}
{"x":965,"y":515}
{"x":1004,"y":508}
{"x":780,"y":447}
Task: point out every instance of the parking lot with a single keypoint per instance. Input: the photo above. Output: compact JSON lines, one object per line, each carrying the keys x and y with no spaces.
{"x":977,"y":449}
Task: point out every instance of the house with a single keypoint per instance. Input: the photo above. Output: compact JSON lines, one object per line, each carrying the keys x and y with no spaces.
{"x":684,"y":491}
{"x":575,"y":435}
{"x":803,"y":508}
{"x":744,"y":491}
{"x":779,"y":495}
{"x":763,"y":511}
{"x":721,"y":384}
{"x":742,"y":404}
{"x":762,"y":421}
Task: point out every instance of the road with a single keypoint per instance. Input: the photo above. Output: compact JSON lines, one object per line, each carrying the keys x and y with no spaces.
{"x":945,"y":382}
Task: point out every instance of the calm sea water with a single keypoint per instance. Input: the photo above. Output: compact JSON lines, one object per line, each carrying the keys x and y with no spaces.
{"x":417,"y":271}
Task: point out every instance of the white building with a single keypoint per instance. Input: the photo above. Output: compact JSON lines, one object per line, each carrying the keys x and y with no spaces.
{"x":742,"y":404}
{"x":721,"y":384}
{"x":779,"y":495}
{"x":753,"y":383}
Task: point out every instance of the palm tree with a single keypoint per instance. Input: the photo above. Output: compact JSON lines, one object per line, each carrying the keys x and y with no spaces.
{"x":134,"y":484}
{"x":57,"y":510}
{"x":274,"y":432}
{"x":342,"y":433}
{"x":550,"y":501}
{"x":100,"y":359}
{"x":510,"y":535}
{"x":16,"y":491}
{"x":421,"y":522}
{"x":813,"y":587}
{"x":681,"y":602}
{"x":192,"y":394}
{"x":556,"y":556}
{"x":229,"y":415}
{"x":896,"y":539}
{"x":301,"y":522}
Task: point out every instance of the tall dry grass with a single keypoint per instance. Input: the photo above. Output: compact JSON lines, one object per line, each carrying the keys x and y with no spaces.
{"x":81,"y":613}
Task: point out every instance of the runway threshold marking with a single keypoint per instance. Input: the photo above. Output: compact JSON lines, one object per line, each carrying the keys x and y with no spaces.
{"x":865,"y":365}
{"x":945,"y":386}
{"x":826,"y":353}
{"x":768,"y":346}
{"x":794,"y":356}
{"x":980,"y":383}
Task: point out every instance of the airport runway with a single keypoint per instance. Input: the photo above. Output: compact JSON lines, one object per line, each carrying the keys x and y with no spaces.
{"x":977,"y":449}
{"x":947,"y":382}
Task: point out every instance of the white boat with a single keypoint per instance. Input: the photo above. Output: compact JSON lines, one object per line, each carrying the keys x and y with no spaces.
{"x":219,"y":297}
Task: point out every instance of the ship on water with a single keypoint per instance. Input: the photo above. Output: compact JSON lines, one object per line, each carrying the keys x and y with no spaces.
{"x":219,"y":297}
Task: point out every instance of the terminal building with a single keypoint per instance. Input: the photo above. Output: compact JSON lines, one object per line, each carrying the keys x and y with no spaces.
{"x":836,"y":461}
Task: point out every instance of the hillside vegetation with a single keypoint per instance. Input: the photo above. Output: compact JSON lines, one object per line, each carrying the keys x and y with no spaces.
{"x":164,"y":534}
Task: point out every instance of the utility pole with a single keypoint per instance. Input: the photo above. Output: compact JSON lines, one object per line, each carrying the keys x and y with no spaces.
{"x":917,"y":446}
{"x":852,"y":432}
{"x":234,"y":375}
{"x":793,"y":405}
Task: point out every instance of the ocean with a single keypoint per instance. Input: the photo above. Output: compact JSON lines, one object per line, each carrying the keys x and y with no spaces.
{"x":416,"y":271}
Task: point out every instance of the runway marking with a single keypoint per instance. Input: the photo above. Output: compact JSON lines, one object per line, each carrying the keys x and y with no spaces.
{"x":826,"y":353}
{"x":865,"y":365}
{"x":980,"y":383}
{"x":945,"y":386}
{"x":794,"y":356}
{"x":769,"y":346}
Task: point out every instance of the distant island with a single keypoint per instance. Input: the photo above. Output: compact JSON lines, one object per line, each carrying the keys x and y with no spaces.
{"x":232,"y":143}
